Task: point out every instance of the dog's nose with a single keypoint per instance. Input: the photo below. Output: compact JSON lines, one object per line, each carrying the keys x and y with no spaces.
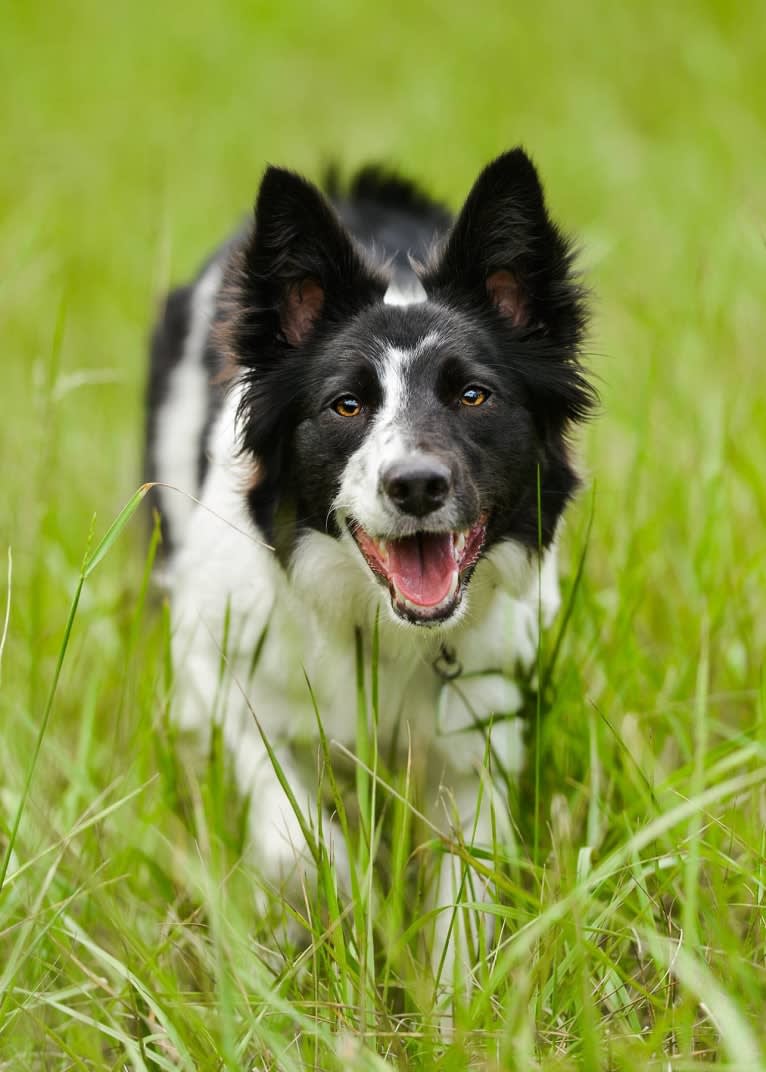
{"x":417,"y":486}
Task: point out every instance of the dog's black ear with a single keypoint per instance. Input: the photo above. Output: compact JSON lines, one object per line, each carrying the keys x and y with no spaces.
{"x":506,"y":251}
{"x":296,"y":272}
{"x":299,"y":265}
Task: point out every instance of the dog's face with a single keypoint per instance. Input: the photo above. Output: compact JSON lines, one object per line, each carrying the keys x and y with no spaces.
{"x":420,"y":420}
{"x":417,"y":446}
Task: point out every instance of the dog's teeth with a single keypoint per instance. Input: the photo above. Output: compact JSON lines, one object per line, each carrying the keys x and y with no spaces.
{"x":459,"y":544}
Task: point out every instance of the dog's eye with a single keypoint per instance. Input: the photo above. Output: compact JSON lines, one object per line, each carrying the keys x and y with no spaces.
{"x":474,"y":396}
{"x":347,"y":406}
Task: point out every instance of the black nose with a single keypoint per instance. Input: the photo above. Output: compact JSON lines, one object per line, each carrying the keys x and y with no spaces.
{"x":417,"y":486}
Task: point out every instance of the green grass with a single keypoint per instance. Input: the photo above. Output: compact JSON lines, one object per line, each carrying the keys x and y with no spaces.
{"x":631,"y":909}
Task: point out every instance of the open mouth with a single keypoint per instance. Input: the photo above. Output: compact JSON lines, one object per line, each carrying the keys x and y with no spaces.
{"x":426,"y":572}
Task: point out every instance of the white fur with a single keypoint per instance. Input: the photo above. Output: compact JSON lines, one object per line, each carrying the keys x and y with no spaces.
{"x":182,"y":414}
{"x":407,"y":290}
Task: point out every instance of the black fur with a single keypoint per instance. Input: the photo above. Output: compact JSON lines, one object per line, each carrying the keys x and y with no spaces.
{"x":538,"y":385}
{"x":390,"y":215}
{"x":297,"y":236}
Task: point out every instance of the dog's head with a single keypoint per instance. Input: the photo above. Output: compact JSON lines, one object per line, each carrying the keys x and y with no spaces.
{"x":418,"y":417}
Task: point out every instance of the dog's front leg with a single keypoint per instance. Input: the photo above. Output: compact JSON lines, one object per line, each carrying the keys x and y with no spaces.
{"x":483,"y":743}
{"x":463,"y":936}
{"x":255,"y":713}
{"x":283,"y":829}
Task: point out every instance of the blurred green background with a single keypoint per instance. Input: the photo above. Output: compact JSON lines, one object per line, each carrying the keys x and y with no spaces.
{"x":132,"y":140}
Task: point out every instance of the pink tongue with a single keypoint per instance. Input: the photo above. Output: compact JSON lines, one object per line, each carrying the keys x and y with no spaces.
{"x":422,"y":567}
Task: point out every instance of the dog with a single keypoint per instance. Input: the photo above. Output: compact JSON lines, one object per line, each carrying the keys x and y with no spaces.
{"x":358,"y":422}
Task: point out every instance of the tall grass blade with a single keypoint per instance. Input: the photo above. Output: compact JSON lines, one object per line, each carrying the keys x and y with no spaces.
{"x":692,"y":865}
{"x":89,"y":564}
{"x":566,"y":616}
{"x":737,"y":1035}
{"x":7,"y":618}
{"x":112,"y":534}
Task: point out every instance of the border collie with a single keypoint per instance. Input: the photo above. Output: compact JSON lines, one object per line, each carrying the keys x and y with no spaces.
{"x":367,"y":405}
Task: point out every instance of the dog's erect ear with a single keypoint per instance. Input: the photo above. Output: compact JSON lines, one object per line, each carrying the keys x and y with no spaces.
{"x":504,"y":249}
{"x":299,"y":264}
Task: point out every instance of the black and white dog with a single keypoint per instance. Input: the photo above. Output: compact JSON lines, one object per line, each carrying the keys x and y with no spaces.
{"x":371,"y":403}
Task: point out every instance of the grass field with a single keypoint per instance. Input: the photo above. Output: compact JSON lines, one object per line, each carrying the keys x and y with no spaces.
{"x":631,"y":915}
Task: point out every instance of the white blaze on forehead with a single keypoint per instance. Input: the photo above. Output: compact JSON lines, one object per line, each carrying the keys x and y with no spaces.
{"x":393,"y":375}
{"x":405,"y":290}
{"x":388,"y":439}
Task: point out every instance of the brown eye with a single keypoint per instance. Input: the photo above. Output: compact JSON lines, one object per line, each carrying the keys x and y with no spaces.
{"x":474,"y":396}
{"x":347,"y":406}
